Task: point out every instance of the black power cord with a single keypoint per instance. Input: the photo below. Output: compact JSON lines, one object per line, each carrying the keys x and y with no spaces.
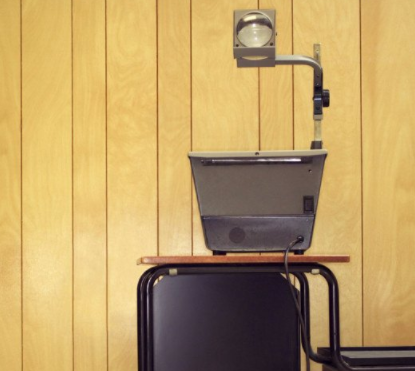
{"x":299,"y":239}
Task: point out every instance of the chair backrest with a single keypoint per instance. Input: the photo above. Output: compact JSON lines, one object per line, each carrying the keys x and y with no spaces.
{"x":218,"y":318}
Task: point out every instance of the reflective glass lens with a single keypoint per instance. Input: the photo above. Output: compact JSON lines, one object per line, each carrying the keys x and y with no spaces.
{"x":254,"y":30}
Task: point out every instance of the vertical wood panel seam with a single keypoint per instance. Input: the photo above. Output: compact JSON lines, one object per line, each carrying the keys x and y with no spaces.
{"x":21,"y":181}
{"x":72,"y":194}
{"x":259,"y":109}
{"x":259,"y":98}
{"x":292,"y":76}
{"x":191,"y":122}
{"x":361,"y":173}
{"x":259,"y":104}
{"x":106,"y":182}
{"x":72,"y":187}
{"x":157,"y":129}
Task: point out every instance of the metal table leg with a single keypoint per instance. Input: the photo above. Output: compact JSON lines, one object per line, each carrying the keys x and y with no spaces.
{"x":298,"y":270}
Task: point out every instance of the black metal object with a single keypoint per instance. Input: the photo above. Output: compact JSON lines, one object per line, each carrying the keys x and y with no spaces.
{"x":257,"y":201}
{"x":337,"y":361}
{"x":257,"y":233}
{"x":237,"y":329}
{"x":150,"y":277}
{"x":316,"y":144}
{"x":331,"y":358}
{"x":375,"y":356}
{"x":216,"y":317}
{"x":305,"y":310}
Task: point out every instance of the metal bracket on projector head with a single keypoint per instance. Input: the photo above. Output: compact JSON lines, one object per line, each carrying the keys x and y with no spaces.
{"x":321,"y":97}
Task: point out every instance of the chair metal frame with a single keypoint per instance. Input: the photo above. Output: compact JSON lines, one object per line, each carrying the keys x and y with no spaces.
{"x":299,"y":270}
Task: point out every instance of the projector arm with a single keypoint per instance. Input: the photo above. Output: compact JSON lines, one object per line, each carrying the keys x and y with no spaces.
{"x":321,"y":97}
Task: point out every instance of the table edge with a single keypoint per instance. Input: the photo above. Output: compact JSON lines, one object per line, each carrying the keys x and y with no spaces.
{"x":242,"y":259}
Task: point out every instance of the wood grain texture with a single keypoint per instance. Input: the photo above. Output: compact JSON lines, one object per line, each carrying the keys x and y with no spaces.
{"x":388,"y":94}
{"x":174,"y":127}
{"x":132,"y":165}
{"x":89,"y":192}
{"x":47,"y":186}
{"x":224,"y":97}
{"x":243,"y":259}
{"x":205,"y":103}
{"x":10,"y":189}
{"x":276,"y":85}
{"x":335,"y":25}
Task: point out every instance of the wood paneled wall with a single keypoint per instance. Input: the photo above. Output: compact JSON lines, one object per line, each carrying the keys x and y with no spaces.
{"x":100,"y":102}
{"x":388,"y":96}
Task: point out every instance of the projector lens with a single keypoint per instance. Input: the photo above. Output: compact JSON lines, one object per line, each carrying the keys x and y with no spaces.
{"x":254,"y":30}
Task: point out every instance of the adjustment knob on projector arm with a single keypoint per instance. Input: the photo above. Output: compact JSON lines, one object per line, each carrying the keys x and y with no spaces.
{"x":326,"y":98}
{"x":321,"y":97}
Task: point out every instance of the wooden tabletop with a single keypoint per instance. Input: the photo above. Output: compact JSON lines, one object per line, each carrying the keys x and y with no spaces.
{"x":242,"y":259}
